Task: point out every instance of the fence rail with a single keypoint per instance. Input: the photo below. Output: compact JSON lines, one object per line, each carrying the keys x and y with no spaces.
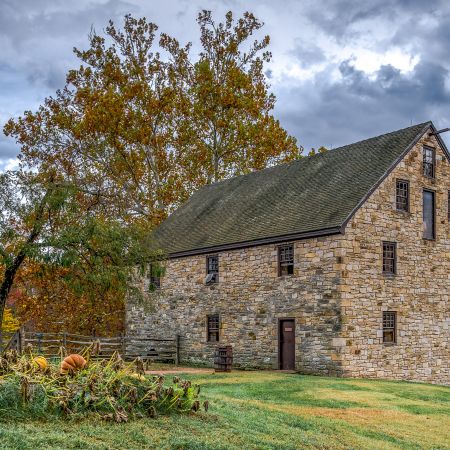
{"x":49,"y":344}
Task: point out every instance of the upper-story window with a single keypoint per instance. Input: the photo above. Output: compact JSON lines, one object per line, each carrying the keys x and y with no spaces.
{"x":402,"y":195}
{"x":389,"y":258}
{"x":285,"y":260}
{"x":212,"y":269}
{"x":429,"y":162}
{"x":429,"y":215}
{"x":448,"y":206}
{"x":154,"y":277}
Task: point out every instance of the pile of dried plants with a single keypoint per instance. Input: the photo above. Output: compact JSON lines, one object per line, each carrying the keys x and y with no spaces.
{"x":111,"y":389}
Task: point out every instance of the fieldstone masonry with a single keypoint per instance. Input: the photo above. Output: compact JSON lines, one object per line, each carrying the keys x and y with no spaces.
{"x":336,"y":295}
{"x":420,"y":290}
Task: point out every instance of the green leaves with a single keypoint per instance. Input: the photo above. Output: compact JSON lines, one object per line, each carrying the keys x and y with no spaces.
{"x":103,"y":389}
{"x":49,"y":235}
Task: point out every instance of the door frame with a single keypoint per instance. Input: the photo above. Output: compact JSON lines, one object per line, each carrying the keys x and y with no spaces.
{"x":280,"y":320}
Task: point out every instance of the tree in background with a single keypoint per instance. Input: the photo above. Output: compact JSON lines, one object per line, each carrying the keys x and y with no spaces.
{"x":47,"y":302}
{"x":109,"y":131}
{"x":320,"y":150}
{"x":141,"y":132}
{"x":227,"y":127}
{"x":10,"y":323}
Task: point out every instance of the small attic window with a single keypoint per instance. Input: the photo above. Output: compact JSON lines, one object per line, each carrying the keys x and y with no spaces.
{"x":429,"y":162}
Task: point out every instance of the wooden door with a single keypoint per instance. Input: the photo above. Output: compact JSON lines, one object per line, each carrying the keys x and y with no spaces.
{"x":287,"y":344}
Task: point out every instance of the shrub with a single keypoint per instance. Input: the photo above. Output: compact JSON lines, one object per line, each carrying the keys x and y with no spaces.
{"x":109,"y":389}
{"x":10,"y":323}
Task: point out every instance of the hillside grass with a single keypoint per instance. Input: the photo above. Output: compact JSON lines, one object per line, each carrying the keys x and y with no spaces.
{"x":267,"y":410}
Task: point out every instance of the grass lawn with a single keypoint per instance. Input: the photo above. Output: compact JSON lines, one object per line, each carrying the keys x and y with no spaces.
{"x":265,"y":410}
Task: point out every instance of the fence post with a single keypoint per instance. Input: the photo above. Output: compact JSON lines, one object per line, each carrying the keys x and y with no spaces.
{"x":39,"y":342}
{"x":21,"y":339}
{"x":122,"y":335}
{"x":177,"y":350}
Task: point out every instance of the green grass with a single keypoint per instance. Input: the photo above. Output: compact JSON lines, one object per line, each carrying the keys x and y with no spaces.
{"x":267,"y":410}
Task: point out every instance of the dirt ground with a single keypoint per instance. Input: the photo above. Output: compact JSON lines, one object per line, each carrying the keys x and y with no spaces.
{"x":174,"y":370}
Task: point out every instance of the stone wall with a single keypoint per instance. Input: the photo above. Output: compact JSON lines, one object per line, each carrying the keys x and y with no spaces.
{"x":336,"y":295}
{"x":420,"y":290}
{"x":250,"y":299}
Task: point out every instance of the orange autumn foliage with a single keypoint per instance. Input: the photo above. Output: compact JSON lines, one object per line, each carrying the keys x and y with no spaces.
{"x":46,"y":303}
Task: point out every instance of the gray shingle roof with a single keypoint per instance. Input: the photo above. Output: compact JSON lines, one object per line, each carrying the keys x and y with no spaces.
{"x":310,"y":194}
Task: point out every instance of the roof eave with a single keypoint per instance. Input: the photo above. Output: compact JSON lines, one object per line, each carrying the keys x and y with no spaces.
{"x":258,"y":242}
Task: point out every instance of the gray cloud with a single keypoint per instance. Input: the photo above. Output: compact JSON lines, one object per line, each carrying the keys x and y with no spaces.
{"x":357,"y":106}
{"x":338,"y":17}
{"x":307,"y":55}
{"x":7,"y":148}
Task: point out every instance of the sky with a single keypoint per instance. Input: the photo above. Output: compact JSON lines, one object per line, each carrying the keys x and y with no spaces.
{"x":341,"y":70}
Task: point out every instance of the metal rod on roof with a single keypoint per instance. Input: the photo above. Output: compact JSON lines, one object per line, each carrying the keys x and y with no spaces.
{"x":439,"y":131}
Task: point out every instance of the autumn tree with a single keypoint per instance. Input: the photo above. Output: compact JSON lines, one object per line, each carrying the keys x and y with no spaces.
{"x":227,"y":127}
{"x":109,"y":131}
{"x":10,"y":323}
{"x":45,"y":300}
{"x":44,"y":222}
{"x":138,"y":126}
{"x":142,"y":131}
{"x":322,"y":149}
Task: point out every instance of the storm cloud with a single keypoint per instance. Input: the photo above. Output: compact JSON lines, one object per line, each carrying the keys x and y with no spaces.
{"x":341,"y":70}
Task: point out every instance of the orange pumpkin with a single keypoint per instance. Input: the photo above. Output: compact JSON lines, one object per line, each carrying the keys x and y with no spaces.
{"x":41,"y":362}
{"x":72,"y":363}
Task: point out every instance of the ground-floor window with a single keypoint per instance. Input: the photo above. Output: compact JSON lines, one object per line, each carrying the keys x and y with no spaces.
{"x":389,"y":327}
{"x":213,"y":328}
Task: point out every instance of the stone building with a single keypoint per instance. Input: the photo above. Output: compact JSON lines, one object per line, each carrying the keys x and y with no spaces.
{"x":337,"y":264}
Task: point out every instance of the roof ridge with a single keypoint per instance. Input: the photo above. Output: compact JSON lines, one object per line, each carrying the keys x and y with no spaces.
{"x":309,"y":157}
{"x":390,"y":133}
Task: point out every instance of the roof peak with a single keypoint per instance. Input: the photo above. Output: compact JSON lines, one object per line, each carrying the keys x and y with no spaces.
{"x":304,"y":158}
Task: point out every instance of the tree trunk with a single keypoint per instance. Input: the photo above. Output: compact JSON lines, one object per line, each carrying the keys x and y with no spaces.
{"x":8,"y":281}
{"x":11,"y":271}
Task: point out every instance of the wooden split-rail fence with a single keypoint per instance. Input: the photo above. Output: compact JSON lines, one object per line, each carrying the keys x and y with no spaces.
{"x":50,"y":345}
{"x":5,"y":338}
